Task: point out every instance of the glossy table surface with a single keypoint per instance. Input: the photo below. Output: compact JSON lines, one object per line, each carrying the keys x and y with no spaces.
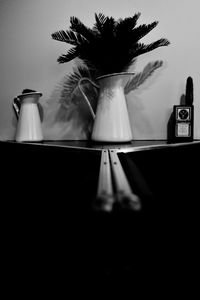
{"x":135,"y":145}
{"x":53,"y":234}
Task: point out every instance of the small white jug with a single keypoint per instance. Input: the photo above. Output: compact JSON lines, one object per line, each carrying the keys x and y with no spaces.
{"x":29,"y":123}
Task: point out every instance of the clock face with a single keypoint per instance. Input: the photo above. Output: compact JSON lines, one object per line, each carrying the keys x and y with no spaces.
{"x":183,"y":114}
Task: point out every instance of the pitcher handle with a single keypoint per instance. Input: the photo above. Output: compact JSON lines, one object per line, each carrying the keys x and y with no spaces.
{"x":84,"y":95}
{"x":16,"y":106}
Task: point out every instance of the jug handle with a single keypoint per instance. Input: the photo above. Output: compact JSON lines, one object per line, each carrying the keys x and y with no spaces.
{"x":84,"y":95}
{"x":16,"y":106}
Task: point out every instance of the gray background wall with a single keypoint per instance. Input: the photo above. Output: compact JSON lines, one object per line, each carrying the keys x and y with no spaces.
{"x":28,"y":60}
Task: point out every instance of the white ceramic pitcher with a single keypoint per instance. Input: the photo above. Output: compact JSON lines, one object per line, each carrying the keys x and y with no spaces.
{"x":29,"y":123}
{"x":111,"y":121}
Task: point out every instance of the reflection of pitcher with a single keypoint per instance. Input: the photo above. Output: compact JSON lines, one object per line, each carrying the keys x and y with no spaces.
{"x":111,"y":122}
{"x":29,"y":123}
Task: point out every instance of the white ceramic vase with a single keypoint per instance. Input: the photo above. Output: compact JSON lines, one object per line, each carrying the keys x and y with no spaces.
{"x":111,"y":121}
{"x":29,"y":123}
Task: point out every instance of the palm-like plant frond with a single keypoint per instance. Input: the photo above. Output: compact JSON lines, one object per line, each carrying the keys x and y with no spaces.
{"x":127,"y":24}
{"x":70,"y":89}
{"x":138,"y":79}
{"x":142,"y":30}
{"x":72,"y":53}
{"x":100,"y":21}
{"x":70,"y":83}
{"x":142,"y":48}
{"x":69,"y":37}
{"x":82,"y":30}
{"x":110,"y":46}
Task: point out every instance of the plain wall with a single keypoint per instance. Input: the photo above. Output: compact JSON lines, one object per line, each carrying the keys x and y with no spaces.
{"x":28,"y":59}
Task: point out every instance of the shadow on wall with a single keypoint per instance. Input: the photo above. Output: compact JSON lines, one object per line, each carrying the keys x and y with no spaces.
{"x":64,"y":116}
{"x":140,"y":123}
{"x":140,"y":118}
{"x":67,"y":117}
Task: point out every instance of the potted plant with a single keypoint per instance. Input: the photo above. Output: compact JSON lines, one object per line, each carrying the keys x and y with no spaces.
{"x":109,"y":47}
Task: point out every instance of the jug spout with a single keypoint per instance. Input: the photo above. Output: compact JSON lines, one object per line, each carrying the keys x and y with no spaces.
{"x":29,"y":123}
